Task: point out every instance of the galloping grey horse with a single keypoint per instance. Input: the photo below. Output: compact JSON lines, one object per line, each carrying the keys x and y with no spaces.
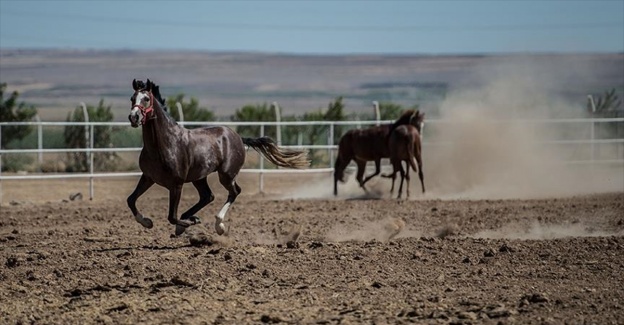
{"x":173,"y":155}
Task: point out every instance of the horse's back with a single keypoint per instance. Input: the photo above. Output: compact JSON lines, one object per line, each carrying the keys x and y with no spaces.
{"x":365,"y":144}
{"x":216,"y":148}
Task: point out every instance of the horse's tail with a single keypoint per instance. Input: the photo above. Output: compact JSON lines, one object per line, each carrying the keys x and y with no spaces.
{"x":281,"y":157}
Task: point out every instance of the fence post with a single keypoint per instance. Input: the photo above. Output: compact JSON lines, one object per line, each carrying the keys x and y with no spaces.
{"x":261,"y":184}
{"x":180,"y":112}
{"x":592,"y":128}
{"x":1,"y":165}
{"x":377,"y":113}
{"x":85,"y":112}
{"x":331,"y":143}
{"x":91,"y":168}
{"x":278,"y":119}
{"x":39,"y":141}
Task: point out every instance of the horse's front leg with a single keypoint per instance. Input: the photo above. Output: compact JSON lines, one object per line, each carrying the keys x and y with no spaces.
{"x":144,"y":184}
{"x":175,"y":192}
{"x":392,"y":175}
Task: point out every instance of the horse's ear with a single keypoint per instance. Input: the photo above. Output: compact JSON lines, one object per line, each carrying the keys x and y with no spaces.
{"x":134,"y":85}
{"x":413,"y":116}
{"x":421,"y":116}
{"x":149,"y":85}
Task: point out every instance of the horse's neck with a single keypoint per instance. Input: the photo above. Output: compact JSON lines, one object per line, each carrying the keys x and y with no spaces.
{"x":160,"y":131}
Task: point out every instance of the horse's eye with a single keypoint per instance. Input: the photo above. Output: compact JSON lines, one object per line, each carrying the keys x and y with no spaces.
{"x":147,"y":99}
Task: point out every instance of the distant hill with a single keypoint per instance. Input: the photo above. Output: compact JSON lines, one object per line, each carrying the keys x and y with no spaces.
{"x":57,"y":80}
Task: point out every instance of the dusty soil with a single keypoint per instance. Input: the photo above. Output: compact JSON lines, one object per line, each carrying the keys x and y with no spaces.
{"x":316,"y":261}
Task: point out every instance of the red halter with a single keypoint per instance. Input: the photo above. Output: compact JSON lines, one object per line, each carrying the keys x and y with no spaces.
{"x":146,"y":110}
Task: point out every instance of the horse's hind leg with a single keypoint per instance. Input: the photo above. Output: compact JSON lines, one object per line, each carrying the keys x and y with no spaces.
{"x":361,"y":168}
{"x":377,"y":171}
{"x":205,"y":197}
{"x":144,"y":184}
{"x":420,"y":171}
{"x":402,"y":172}
{"x":234,"y":190}
{"x":407,"y":179}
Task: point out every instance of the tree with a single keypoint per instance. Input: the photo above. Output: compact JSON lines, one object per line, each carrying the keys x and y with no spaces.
{"x":607,"y":106}
{"x":389,"y":111}
{"x":75,"y":138}
{"x":11,"y":111}
{"x":255,"y":113}
{"x":191,"y":109}
{"x":318,"y":134}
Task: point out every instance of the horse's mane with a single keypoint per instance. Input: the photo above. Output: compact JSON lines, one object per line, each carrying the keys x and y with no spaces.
{"x":159,"y":98}
{"x":405,"y":118}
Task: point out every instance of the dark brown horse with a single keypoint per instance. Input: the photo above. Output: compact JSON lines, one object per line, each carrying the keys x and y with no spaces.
{"x":173,"y":155}
{"x":364,"y":145}
{"x":404,"y":144}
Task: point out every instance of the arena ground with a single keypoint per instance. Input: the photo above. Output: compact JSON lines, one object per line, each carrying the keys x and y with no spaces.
{"x":347,"y":260}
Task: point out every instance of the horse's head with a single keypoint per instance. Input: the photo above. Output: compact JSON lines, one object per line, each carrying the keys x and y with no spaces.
{"x":410,"y":117}
{"x":142,"y":102}
{"x":417,"y":119}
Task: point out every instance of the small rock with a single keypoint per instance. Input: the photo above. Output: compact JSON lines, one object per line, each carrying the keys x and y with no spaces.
{"x":270,"y":319}
{"x":315,"y":244}
{"x":506,"y":249}
{"x":448,"y":230}
{"x":377,"y":285}
{"x":199,"y":239}
{"x":499,"y":312}
{"x":467,"y":315}
{"x":535,"y":298}
{"x":466,"y":260}
{"x":489,"y":253}
{"x":75,"y":196}
{"x":12,"y":262}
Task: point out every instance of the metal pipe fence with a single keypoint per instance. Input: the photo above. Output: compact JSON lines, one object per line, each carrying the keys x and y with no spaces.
{"x":330,"y":147}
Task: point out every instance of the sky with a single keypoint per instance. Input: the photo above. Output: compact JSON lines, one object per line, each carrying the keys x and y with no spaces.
{"x":317,"y":27}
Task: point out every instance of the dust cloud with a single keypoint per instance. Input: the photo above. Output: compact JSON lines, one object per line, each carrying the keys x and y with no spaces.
{"x":537,"y":231}
{"x":380,"y":230}
{"x":473,"y":155}
{"x":488,"y":142}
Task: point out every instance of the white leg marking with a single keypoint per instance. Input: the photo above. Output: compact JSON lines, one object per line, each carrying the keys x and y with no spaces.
{"x":219,"y":226}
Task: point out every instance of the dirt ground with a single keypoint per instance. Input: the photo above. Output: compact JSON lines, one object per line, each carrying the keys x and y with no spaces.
{"x":309,"y":261}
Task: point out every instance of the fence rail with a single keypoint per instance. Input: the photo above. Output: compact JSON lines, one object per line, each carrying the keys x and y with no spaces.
{"x":591,"y":140}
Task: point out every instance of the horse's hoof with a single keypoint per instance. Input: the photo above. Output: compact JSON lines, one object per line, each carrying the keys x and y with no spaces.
{"x":147,"y":223}
{"x":220,"y":228}
{"x":194,"y":220}
{"x":180,"y":229}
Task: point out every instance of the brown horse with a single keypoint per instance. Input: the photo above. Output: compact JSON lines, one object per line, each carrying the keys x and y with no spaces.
{"x":173,"y":155}
{"x":404,"y":144}
{"x":364,"y":145}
